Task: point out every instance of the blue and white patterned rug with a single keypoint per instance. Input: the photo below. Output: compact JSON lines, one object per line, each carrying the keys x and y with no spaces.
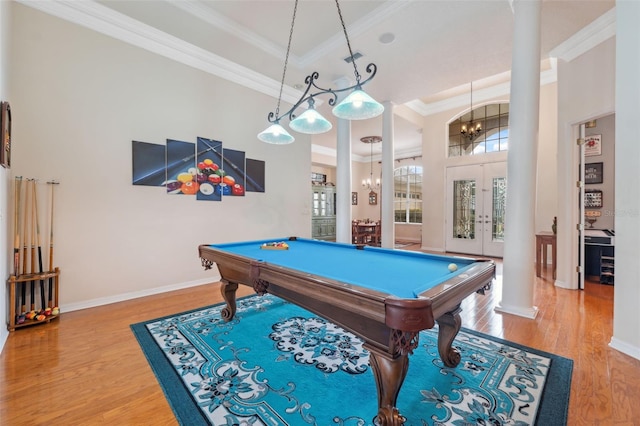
{"x":277,"y":364}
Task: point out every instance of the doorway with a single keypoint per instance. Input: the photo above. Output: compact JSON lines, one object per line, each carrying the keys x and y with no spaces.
{"x":596,"y":214}
{"x":476,"y":200}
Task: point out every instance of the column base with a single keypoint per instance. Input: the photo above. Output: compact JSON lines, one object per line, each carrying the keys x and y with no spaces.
{"x":530,"y":312}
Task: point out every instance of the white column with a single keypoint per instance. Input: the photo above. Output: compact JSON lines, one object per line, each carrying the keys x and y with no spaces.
{"x":386,"y":196}
{"x":343,"y":178}
{"x":519,"y":245}
{"x":343,"y":172}
{"x":626,"y":298}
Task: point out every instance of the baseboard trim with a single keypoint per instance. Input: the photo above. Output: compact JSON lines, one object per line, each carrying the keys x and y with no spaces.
{"x":625,"y":348}
{"x":85,"y":304}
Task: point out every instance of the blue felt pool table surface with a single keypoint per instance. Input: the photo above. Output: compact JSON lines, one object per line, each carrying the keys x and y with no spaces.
{"x":401,"y":273}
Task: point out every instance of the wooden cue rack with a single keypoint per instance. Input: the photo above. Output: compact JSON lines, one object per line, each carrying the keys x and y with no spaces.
{"x":16,"y":282}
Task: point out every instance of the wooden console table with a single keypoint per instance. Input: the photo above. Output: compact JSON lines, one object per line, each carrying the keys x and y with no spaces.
{"x":544,"y":239}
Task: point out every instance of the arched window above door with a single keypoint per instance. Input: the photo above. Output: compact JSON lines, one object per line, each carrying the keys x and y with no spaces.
{"x":484,"y":129}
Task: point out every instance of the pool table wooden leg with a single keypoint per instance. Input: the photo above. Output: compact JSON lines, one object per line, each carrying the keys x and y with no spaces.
{"x":449,"y":325}
{"x":389,"y":374}
{"x":228,"y":291}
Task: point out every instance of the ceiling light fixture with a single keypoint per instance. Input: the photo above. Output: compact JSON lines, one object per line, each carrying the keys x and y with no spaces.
{"x":471,"y":130}
{"x":368,"y":183}
{"x":358,"y":105}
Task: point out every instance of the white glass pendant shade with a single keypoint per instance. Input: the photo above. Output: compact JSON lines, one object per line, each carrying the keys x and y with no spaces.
{"x":358,"y":106}
{"x":276,"y":134}
{"x":310,"y":122}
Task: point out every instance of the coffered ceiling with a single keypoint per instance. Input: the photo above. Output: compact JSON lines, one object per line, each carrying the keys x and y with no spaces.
{"x":427,"y":51}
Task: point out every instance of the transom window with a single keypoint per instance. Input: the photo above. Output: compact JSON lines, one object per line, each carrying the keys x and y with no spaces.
{"x":493,"y":120}
{"x":407,"y":190}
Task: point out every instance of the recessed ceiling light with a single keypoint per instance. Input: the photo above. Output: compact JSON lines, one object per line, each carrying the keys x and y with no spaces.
{"x":387,"y":38}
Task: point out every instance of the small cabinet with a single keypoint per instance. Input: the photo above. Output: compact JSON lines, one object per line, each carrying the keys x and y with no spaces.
{"x":323,"y":212}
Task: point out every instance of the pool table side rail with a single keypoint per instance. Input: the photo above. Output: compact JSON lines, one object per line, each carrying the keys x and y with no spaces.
{"x":378,"y":313}
{"x":447,"y":296}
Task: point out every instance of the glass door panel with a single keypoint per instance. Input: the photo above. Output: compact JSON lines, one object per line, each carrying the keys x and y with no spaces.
{"x":464,"y":209}
{"x":499,"y":189}
{"x":476,"y":198}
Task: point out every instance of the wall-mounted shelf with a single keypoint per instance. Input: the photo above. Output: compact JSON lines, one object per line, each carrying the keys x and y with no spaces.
{"x":607,"y":269}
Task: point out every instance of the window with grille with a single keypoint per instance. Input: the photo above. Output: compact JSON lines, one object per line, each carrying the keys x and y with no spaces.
{"x":407,"y":190}
{"x":493,"y":120}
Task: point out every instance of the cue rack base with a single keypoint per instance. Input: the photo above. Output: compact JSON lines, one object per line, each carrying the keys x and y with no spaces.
{"x":17,"y":282}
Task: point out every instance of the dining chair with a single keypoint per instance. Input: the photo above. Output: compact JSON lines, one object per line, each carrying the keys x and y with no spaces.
{"x":357,"y":237}
{"x":376,"y":239}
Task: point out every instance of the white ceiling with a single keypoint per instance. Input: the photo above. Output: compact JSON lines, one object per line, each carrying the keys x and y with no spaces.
{"x":439,"y":46}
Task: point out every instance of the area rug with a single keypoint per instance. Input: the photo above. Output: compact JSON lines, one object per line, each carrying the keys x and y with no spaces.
{"x":277,"y":364}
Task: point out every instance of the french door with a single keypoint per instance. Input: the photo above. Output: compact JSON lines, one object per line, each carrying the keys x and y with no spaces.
{"x":476,"y":200}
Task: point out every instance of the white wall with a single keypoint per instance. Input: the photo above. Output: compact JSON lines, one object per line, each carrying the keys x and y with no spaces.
{"x":79,"y":99}
{"x":606,"y":127}
{"x":586,"y":91}
{"x":546,"y":177}
{"x":626,"y":321}
{"x":435,"y":161}
{"x":5,"y":181}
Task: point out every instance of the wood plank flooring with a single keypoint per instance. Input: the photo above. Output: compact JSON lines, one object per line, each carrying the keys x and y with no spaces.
{"x":86,"y":367}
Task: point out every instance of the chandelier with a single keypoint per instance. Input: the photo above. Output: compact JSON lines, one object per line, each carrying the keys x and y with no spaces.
{"x":470,"y":129}
{"x":369,"y":183}
{"x":358,"y":105}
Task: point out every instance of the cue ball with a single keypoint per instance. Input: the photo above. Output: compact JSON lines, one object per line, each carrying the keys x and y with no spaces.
{"x":453,"y":267}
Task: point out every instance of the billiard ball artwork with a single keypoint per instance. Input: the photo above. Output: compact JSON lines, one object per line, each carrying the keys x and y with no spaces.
{"x":204,"y":169}
{"x":237,"y":189}
{"x":223,"y":189}
{"x":206,"y":188}
{"x":189,"y":188}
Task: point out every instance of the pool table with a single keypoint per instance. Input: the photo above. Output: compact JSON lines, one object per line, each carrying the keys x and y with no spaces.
{"x":384,"y":296}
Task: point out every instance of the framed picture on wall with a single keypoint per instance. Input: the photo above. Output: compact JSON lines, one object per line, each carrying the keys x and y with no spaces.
{"x":354,"y":198}
{"x":593,"y":198}
{"x":593,"y":145}
{"x":373,"y":198}
{"x":5,"y":143}
{"x":593,"y":173}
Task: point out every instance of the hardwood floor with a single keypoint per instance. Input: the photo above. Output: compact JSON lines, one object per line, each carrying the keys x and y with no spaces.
{"x":86,"y":367}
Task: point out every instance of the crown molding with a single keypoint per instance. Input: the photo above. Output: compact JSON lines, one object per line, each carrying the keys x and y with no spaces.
{"x":104,"y":20}
{"x":601,"y":29}
{"x":360,"y":26}
{"x":211,"y":17}
{"x":195,"y":8}
{"x":331,"y":152}
{"x":482,"y":95}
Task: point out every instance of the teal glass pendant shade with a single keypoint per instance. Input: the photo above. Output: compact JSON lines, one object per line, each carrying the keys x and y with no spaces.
{"x":358,"y":106}
{"x":310,"y":122}
{"x":276,"y":134}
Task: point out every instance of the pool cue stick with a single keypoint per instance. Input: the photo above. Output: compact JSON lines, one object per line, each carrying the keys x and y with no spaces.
{"x":17,"y":224}
{"x":35,"y":207}
{"x":16,"y":240}
{"x":52,"y":183}
{"x":25,"y":238}
{"x":33,"y":243}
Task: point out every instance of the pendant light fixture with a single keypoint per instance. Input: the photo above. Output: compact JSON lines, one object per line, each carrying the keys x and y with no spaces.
{"x":471,"y":130}
{"x":358,"y":105}
{"x":369,"y":183}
